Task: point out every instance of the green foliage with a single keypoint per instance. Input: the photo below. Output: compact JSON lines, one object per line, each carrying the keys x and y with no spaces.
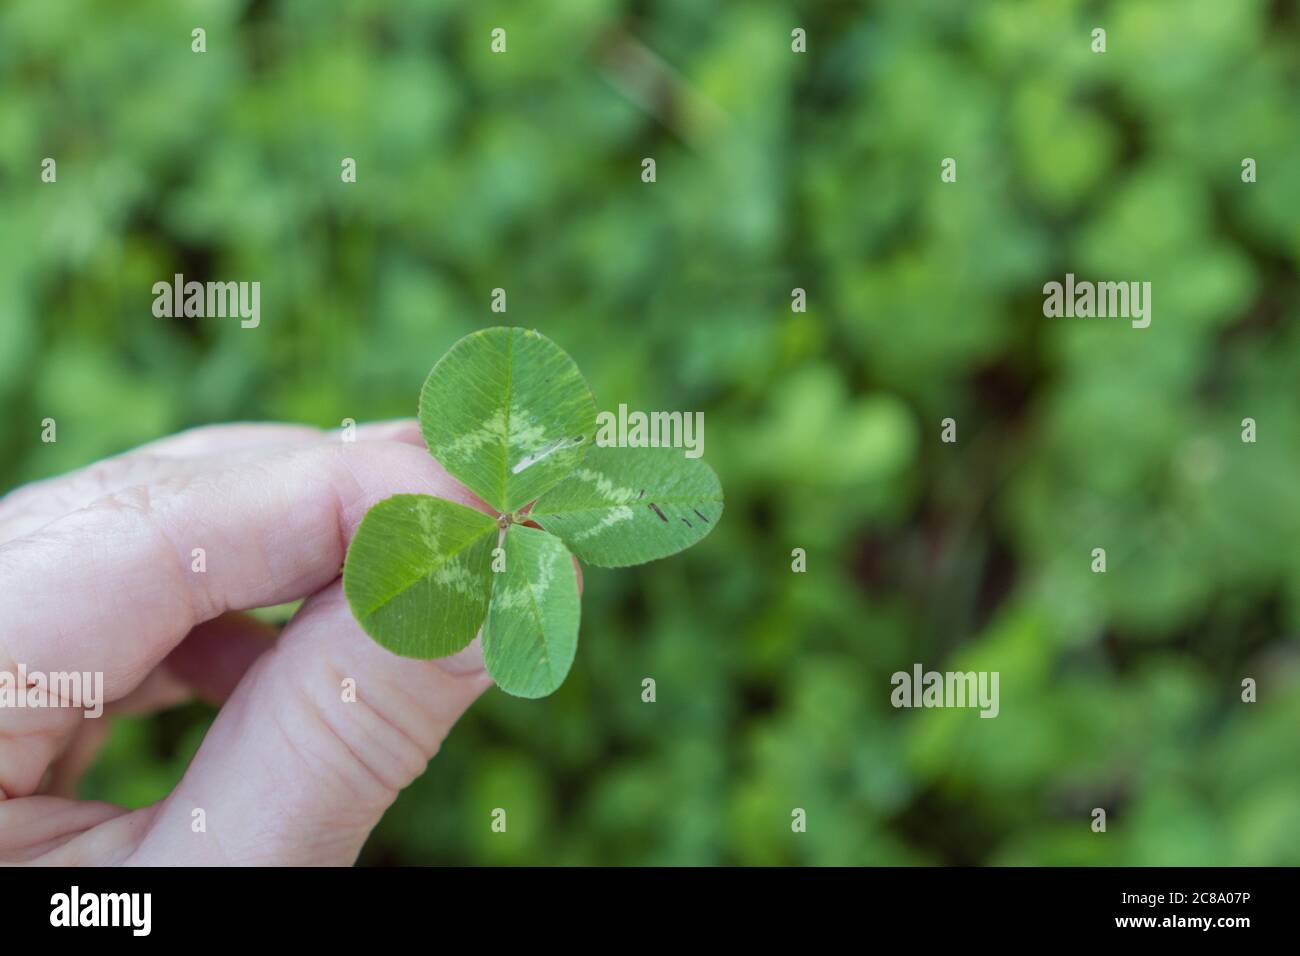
{"x":775,"y":171}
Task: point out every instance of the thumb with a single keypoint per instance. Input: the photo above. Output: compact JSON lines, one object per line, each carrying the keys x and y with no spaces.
{"x":296,"y":770}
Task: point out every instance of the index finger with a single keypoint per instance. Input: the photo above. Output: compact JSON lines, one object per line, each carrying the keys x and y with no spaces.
{"x":112,"y":588}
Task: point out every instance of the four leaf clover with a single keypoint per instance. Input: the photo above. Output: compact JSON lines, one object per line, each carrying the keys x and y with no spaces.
{"x":507,"y":412}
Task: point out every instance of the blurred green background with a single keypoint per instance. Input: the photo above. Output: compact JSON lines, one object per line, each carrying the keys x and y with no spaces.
{"x":775,"y":170}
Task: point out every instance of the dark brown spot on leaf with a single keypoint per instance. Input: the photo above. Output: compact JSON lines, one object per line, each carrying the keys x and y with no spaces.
{"x":655,"y":508}
{"x":701,"y":517}
{"x":687,"y":523}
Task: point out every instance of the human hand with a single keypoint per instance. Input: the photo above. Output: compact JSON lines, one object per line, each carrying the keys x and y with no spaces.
{"x":97,"y":575}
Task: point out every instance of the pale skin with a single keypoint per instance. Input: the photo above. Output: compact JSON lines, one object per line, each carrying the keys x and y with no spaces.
{"x":96,"y":574}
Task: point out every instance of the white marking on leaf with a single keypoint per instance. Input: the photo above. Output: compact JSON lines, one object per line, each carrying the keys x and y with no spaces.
{"x":612,"y":517}
{"x":457,"y":576}
{"x":605,"y":487}
{"x":491,"y":431}
{"x":520,"y":429}
{"x":430,"y":525}
{"x":525,"y":432}
{"x":511,"y":598}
